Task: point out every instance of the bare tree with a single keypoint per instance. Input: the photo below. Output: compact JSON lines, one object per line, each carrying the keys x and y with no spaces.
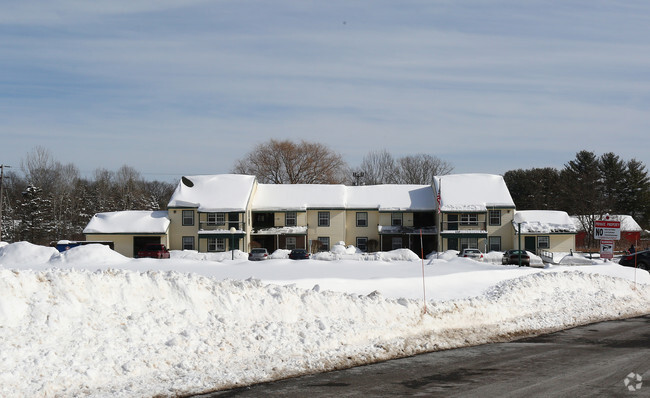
{"x":128,"y":183}
{"x":287,"y":162}
{"x":421,"y":169}
{"x":378,"y":167}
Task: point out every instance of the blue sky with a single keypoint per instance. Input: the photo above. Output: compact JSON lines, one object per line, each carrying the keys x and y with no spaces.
{"x":176,"y":88}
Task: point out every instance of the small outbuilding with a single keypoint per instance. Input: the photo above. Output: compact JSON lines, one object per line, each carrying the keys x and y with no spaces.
{"x":544,"y":230}
{"x":129,"y":230}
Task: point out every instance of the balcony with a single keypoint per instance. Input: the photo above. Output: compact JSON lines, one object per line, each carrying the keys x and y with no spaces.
{"x":210,"y":226}
{"x":463,"y":227}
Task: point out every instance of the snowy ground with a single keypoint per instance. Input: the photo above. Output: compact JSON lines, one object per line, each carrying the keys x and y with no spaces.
{"x":90,"y":322}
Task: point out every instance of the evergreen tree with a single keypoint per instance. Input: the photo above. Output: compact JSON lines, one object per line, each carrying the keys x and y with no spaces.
{"x":582,"y":183}
{"x":636,"y":191}
{"x":534,"y":189}
{"x":613,"y":173}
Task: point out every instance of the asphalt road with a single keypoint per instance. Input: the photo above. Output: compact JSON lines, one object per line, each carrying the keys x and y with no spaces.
{"x":588,"y":361}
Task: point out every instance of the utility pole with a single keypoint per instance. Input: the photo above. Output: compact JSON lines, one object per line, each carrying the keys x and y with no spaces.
{"x":2,"y":174}
{"x":358,"y":176}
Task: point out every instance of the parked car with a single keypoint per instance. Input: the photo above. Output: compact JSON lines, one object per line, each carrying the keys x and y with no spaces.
{"x":639,"y":259}
{"x":512,"y":257}
{"x":299,"y":254}
{"x":474,"y":254}
{"x":153,"y":250}
{"x":258,"y":254}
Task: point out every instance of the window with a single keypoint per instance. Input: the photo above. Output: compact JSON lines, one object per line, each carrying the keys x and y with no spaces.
{"x":290,"y":219}
{"x":469,"y":219}
{"x":324,"y":243}
{"x":290,"y":243}
{"x":216,"y":219}
{"x":396,"y":219}
{"x":362,"y":244}
{"x":188,"y":243}
{"x":495,"y":217}
{"x":468,"y":243}
{"x":188,"y":217}
{"x":396,"y":243}
{"x":362,"y":219}
{"x":216,"y":245}
{"x":543,"y":242}
{"x":324,"y":219}
{"x":495,"y":243}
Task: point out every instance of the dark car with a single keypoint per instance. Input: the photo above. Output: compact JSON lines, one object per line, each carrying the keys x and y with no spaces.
{"x":299,"y":254}
{"x":512,"y":257}
{"x":639,"y":259}
{"x":153,"y":250}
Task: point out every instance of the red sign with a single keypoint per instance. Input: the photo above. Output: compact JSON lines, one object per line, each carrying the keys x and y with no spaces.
{"x":607,"y":230}
{"x":607,"y":224}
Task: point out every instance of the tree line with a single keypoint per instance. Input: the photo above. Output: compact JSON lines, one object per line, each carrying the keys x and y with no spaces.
{"x":588,"y":187}
{"x":49,"y":200}
{"x":45,"y":200}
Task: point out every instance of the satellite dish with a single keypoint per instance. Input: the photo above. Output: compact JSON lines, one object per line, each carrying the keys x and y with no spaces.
{"x":187,"y":182}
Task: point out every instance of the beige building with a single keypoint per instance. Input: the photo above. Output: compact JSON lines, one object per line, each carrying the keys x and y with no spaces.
{"x":537,"y":231}
{"x":216,"y":213}
{"x":476,"y":211}
{"x":129,"y":230}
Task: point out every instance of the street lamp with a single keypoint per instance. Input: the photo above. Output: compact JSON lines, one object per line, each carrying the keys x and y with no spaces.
{"x":232,"y":241}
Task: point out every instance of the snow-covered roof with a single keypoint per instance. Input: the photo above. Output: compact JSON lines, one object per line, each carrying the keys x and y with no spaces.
{"x":129,"y":221}
{"x":214,"y":193}
{"x":391,"y":197}
{"x":300,"y":197}
{"x":543,"y":222}
{"x":628,"y":224}
{"x":472,"y":192}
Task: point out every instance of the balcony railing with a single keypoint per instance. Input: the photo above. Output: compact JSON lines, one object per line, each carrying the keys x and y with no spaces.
{"x":462,"y":226}
{"x":210,"y":226}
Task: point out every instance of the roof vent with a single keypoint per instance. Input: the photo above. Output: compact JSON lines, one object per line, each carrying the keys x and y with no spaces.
{"x":187,"y":182}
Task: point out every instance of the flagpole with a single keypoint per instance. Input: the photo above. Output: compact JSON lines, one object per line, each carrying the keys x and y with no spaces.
{"x":439,"y":201}
{"x":424,"y":288}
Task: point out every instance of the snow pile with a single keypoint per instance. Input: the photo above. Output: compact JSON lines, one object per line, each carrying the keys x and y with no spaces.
{"x":196,"y":256}
{"x":93,"y":323}
{"x":15,"y":253}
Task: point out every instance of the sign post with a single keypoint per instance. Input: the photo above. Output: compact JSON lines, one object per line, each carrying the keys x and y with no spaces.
{"x":607,"y":232}
{"x":607,"y":249}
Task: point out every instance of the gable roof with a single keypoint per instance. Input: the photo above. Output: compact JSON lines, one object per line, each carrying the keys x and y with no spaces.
{"x":543,"y":221}
{"x":129,"y":221}
{"x":392,"y":197}
{"x":472,"y":192}
{"x":214,"y":193}
{"x":300,"y":197}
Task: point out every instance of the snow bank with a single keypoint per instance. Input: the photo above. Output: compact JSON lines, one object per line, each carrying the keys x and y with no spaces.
{"x":77,"y":328}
